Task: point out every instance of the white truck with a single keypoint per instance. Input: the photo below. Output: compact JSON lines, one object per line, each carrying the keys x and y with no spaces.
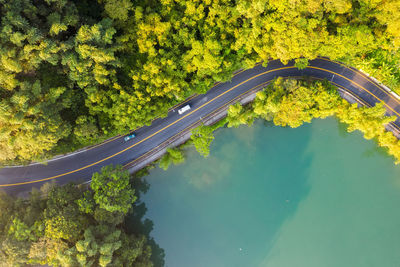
{"x":183,"y":109}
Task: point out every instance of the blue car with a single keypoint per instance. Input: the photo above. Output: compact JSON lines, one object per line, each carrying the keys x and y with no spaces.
{"x":129,"y":137}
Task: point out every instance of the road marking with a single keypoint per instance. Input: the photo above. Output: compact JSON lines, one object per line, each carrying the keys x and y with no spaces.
{"x":363,"y":101}
{"x":362,"y":74}
{"x":118,"y":136}
{"x":227,"y":104}
{"x":194,"y":110}
{"x":172,"y":108}
{"x":141,"y":141}
{"x":346,"y":91}
{"x":317,"y":68}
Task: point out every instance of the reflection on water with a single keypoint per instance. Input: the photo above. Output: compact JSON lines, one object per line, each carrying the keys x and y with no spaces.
{"x":224,"y":210}
{"x":143,"y":226}
{"x":202,"y":178}
{"x":271,"y":196}
{"x":216,"y":170}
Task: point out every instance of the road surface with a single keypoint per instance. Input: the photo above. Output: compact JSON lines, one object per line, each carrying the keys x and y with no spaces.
{"x":79,"y":167}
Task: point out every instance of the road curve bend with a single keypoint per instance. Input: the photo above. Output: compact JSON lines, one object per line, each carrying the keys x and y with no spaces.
{"x":79,"y":167}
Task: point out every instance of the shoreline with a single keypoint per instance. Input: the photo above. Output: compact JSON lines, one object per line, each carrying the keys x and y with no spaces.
{"x":179,"y":139}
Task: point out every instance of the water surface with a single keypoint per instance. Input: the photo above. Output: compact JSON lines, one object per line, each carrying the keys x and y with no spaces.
{"x":271,"y":196}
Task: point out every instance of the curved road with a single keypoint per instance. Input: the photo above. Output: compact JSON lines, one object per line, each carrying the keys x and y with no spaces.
{"x":80,"y":166}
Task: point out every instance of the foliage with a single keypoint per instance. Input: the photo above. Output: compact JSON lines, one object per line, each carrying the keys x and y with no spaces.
{"x":73,"y":73}
{"x":112,"y":191}
{"x":173,"y":155}
{"x":289,"y":102}
{"x":64,"y":228}
{"x":381,"y":64}
{"x":62,"y":217}
{"x":301,"y":63}
{"x":237,"y":115}
{"x":202,"y":137}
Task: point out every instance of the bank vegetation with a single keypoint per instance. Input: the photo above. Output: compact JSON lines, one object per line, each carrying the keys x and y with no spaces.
{"x":73,"y":73}
{"x":291,"y":103}
{"x":73,"y":225}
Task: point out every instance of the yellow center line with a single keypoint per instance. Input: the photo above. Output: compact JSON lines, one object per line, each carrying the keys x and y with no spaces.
{"x":311,"y":67}
{"x":141,"y":141}
{"x":345,"y":89}
{"x":175,"y":106}
{"x":262,"y":84}
{"x":363,"y":74}
{"x":349,"y":92}
{"x":365,"y":103}
{"x":148,"y":137}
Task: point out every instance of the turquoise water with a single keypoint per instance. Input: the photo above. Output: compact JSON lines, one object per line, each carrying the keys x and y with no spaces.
{"x":314,"y":196}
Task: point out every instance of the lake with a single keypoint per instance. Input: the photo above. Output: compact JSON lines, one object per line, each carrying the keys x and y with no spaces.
{"x":271,"y":196}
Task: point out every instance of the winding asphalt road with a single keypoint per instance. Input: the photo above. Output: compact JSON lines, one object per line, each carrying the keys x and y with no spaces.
{"x":80,"y":166}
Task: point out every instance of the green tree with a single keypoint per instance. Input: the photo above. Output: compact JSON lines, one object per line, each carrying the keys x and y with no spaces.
{"x":63,"y":228}
{"x":112,"y":191}
{"x":238,"y":115}
{"x":13,"y":252}
{"x":301,"y":63}
{"x":97,"y":247}
{"x":20,"y":231}
{"x":62,"y":217}
{"x":370,"y":121}
{"x":172,"y":155}
{"x":202,"y":137}
{"x":118,"y":9}
{"x":76,"y":72}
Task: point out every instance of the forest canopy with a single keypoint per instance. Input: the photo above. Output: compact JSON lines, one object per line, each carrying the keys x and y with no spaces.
{"x":74,"y":73}
{"x":73,"y":226}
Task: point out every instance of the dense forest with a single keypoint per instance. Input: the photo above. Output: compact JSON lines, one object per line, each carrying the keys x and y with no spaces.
{"x":75,"y":72}
{"x":73,"y":226}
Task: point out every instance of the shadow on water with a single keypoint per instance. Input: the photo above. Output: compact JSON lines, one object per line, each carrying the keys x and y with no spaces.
{"x":140,"y":226}
{"x":376,"y":150}
{"x":235,"y":201}
{"x":342,"y":128}
{"x":370,"y":152}
{"x":268,"y":123}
